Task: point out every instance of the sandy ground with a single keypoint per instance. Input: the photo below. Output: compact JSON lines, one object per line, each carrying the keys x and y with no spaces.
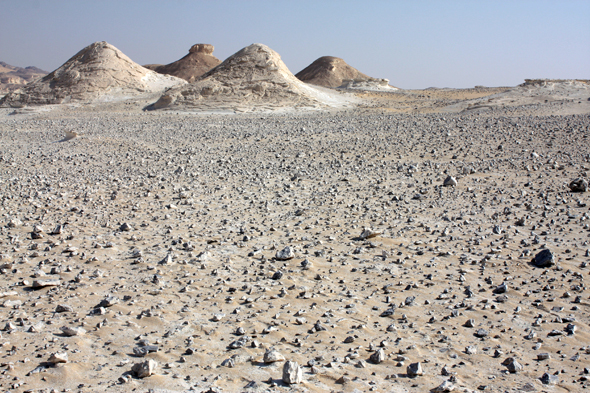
{"x":483,"y":99}
{"x":161,"y":235}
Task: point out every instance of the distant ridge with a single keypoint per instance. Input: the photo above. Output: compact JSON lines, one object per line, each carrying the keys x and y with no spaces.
{"x":13,"y":78}
{"x":544,"y":82}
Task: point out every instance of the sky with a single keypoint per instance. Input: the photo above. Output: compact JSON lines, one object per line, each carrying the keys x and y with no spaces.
{"x":413,"y":43}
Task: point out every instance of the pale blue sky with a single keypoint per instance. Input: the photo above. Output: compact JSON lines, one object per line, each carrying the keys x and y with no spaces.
{"x":414,"y":44}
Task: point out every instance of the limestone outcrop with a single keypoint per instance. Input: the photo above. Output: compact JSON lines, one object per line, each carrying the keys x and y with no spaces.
{"x":254,"y":78}
{"x":202,"y":48}
{"x":375,"y":84}
{"x":199,"y":60}
{"x":99,"y":72}
{"x":329,"y":71}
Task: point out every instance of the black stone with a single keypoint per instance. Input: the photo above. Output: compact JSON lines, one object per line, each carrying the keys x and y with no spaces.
{"x":549,"y":379}
{"x":544,"y":259}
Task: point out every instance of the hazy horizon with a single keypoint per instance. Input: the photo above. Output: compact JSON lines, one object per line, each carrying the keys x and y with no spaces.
{"x":413,"y":44}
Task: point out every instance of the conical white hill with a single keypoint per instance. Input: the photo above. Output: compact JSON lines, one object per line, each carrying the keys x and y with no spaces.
{"x":254,"y":78}
{"x":99,"y":72}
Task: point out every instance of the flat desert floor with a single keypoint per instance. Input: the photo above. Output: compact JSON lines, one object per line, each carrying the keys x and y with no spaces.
{"x":162,"y":251}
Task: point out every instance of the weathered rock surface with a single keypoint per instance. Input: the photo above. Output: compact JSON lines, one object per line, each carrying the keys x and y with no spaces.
{"x":73,"y":331}
{"x":371,"y":84}
{"x":254,"y":78}
{"x":144,"y":369}
{"x":99,"y":72}
{"x":450,"y":181}
{"x":544,"y":258}
{"x":579,"y":185}
{"x":58,"y":357}
{"x":285,"y":254}
{"x":292,"y":373}
{"x":49,"y":282}
{"x":330,"y":71}
{"x":272,"y":355}
{"x":414,"y":370}
{"x":199,"y":60}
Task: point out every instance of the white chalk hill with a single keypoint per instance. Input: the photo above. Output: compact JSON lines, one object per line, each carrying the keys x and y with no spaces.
{"x":253,"y":79}
{"x":98,"y":73}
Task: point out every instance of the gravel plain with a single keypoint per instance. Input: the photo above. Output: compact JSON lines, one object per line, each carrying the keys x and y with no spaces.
{"x":305,"y":251}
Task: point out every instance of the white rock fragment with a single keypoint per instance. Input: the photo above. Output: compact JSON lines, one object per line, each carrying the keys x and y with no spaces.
{"x":73,"y":331}
{"x":446,"y":386}
{"x":12,"y":303}
{"x":9,"y":293}
{"x":64,"y":308}
{"x":58,"y":357}
{"x":292,"y":373}
{"x":272,"y":355}
{"x":368,"y":233}
{"x":109,"y":301}
{"x":144,"y":369}
{"x":46,"y":283}
{"x":15,"y":222}
{"x":218,"y":317}
{"x":450,"y":181}
{"x":69,"y":135}
{"x":39,"y":273}
{"x":414,"y":370}
{"x":285,"y":254}
{"x":167,"y":260}
{"x":57,"y":230}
